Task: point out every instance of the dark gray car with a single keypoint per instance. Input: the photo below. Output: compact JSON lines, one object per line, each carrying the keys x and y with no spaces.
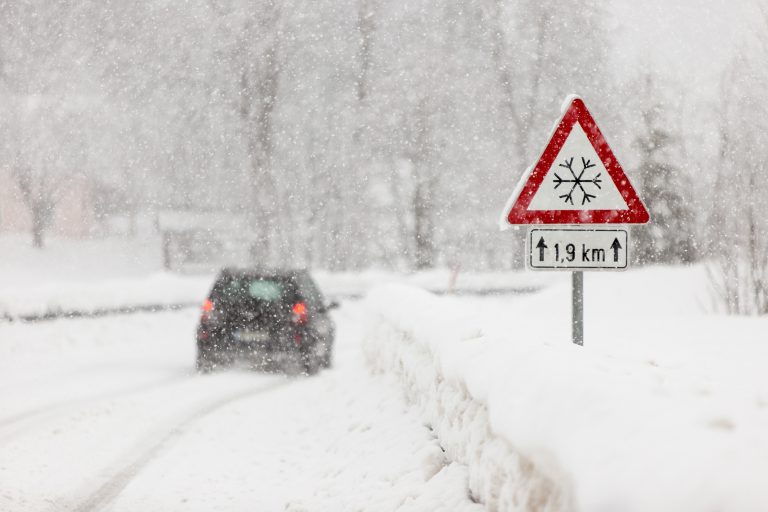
{"x":268,"y":318}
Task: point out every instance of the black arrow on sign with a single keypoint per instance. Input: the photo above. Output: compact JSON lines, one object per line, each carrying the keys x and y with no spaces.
{"x":615,"y":246}
{"x":541,"y":246}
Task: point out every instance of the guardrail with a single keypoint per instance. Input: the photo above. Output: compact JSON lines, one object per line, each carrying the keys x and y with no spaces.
{"x":96,"y":313}
{"x":59,"y":314}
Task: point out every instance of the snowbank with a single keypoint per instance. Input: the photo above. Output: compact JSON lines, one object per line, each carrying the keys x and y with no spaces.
{"x":74,"y":260}
{"x":437,"y":280}
{"x":63,"y":297}
{"x":83,"y":277}
{"x":665,"y":408}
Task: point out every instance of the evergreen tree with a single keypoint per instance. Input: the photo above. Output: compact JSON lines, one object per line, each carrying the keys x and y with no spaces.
{"x":664,"y":187}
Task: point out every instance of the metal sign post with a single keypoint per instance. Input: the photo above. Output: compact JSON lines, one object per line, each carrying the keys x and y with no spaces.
{"x":575,"y":249}
{"x":576,"y":181}
{"x":577,"y":307}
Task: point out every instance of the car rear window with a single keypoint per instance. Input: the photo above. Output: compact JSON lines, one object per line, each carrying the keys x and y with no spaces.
{"x":247,"y":288}
{"x":262,"y":289}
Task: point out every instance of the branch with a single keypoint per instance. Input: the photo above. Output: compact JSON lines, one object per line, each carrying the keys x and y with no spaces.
{"x":23,"y":175}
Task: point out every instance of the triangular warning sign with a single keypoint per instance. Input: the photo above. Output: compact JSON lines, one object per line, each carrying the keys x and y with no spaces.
{"x":577,"y":180}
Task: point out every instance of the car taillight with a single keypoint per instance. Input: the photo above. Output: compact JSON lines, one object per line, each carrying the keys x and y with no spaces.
{"x":300,"y":313}
{"x":207,"y":309}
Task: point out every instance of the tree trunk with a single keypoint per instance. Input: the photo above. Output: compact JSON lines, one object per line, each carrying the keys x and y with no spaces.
{"x":366,"y":27}
{"x":38,"y":227}
{"x":423,"y":227}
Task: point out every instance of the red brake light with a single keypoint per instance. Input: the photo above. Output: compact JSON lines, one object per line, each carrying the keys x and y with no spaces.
{"x":300,"y":313}
{"x":207,"y":308}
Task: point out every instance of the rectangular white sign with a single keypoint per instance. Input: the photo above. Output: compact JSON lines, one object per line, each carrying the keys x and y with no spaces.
{"x":577,"y":248}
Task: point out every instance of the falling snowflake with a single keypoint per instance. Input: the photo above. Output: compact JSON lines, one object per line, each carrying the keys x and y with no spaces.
{"x":578,"y":181}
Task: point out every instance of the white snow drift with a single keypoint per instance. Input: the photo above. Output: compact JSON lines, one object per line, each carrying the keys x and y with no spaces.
{"x":663,"y":409}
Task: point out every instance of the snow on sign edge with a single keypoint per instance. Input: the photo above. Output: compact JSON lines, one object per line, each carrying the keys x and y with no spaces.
{"x":503,"y":222}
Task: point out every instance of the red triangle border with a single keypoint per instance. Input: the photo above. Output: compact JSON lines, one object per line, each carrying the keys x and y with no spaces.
{"x":519,"y":213}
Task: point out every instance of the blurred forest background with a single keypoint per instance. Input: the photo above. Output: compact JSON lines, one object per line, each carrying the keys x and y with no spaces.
{"x":348,"y":134}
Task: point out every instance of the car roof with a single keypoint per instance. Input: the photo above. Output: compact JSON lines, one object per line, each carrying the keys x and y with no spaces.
{"x":261,"y":272}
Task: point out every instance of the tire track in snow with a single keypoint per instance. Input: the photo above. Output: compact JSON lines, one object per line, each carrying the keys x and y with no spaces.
{"x":156,"y":444}
{"x":10,"y":427}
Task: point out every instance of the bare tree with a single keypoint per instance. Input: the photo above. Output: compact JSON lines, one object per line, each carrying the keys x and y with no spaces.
{"x":37,"y":191}
{"x":739,"y":242}
{"x":354,"y":132}
{"x":251,"y":53}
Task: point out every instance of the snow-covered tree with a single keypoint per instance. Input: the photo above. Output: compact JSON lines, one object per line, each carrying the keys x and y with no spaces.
{"x":662,"y":182}
{"x":739,"y":244}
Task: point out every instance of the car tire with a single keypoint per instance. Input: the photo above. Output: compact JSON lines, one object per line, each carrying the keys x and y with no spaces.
{"x":309,"y":363}
{"x":311,"y":368}
{"x":205,"y":363}
{"x":325,"y":360}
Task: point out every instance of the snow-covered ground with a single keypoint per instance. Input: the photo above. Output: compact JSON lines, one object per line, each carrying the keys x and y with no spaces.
{"x":665,"y":408}
{"x":77,"y":261}
{"x":434,"y":403}
{"x":89,"y":275}
{"x":106,"y":414}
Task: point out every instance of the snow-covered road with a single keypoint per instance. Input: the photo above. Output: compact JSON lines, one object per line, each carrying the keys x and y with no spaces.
{"x":106,"y":414}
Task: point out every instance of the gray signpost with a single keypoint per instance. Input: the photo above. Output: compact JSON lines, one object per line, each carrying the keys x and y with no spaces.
{"x":577,"y":307}
{"x":575,"y":249}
